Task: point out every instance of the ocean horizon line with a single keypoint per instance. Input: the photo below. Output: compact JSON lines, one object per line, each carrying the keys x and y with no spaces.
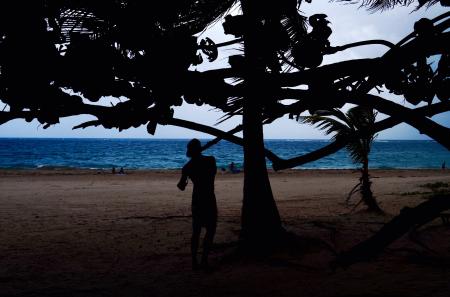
{"x":207,"y":139}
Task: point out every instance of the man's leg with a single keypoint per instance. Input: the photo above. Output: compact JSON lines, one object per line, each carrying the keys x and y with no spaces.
{"x":207,"y":242}
{"x":196,"y":229}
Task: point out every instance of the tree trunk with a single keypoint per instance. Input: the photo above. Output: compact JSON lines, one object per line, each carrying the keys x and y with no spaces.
{"x":261,"y":222}
{"x":366,"y":191}
{"x":260,"y":217}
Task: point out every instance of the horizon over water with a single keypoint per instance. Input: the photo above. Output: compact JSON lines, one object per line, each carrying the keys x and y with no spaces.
{"x":164,"y":153}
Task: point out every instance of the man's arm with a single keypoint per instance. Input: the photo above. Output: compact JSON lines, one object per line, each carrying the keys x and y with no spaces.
{"x":183,"y":180}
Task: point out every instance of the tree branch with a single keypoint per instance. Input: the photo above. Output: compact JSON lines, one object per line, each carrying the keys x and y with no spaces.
{"x":209,"y":144}
{"x":335,"y":49}
{"x":341,"y":143}
{"x":404,"y":114}
{"x":218,"y":133}
{"x":408,"y":219}
{"x":422,"y":123}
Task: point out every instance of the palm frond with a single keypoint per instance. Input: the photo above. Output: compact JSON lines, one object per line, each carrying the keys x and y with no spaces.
{"x":296,"y":26}
{"x":234,"y":107}
{"x":357,"y":154}
{"x":140,"y":17}
{"x":341,"y":116}
{"x":355,"y":126}
{"x":382,"y":5}
{"x":328,"y":124}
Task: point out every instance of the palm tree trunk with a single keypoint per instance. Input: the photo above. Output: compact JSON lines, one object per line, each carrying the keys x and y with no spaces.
{"x":260,"y":218}
{"x":366,"y":190}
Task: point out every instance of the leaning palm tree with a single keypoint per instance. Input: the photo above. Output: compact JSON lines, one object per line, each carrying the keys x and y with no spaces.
{"x":355,"y":125}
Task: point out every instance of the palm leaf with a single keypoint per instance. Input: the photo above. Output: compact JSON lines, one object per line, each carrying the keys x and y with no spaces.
{"x":355,"y":126}
{"x":143,"y":18}
{"x":326,"y":123}
{"x":375,"y":5}
{"x":296,"y":27}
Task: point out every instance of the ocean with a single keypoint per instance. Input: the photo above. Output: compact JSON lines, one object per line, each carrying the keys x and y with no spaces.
{"x":29,"y":153}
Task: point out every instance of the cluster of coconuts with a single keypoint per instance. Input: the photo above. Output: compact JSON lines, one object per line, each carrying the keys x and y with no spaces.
{"x":309,"y":53}
{"x":418,"y":82}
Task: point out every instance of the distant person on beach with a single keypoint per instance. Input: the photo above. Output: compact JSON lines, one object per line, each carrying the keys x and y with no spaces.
{"x":114,"y":170}
{"x":233,"y":168}
{"x":201,"y":170}
{"x":443,"y":165}
{"x":121,"y":171}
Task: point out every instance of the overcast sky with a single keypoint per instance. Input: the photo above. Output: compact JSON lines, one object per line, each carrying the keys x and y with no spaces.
{"x":349,"y":24}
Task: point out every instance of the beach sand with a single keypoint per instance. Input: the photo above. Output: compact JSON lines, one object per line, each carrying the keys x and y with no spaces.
{"x":89,"y":233}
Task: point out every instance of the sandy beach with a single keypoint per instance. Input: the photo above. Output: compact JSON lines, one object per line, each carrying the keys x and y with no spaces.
{"x":91,"y":233}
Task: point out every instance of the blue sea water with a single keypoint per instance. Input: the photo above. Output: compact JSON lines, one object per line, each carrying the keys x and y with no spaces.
{"x":29,"y":153}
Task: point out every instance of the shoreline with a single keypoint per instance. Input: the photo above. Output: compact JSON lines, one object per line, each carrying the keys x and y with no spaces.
{"x":177,"y":170}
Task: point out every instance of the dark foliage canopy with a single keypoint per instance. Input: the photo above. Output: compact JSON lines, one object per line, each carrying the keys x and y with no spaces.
{"x":55,"y":53}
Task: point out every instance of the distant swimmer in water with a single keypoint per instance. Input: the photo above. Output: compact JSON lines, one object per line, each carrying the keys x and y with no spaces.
{"x":201,"y":170}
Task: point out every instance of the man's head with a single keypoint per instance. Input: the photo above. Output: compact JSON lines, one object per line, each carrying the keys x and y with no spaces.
{"x":194,"y":148}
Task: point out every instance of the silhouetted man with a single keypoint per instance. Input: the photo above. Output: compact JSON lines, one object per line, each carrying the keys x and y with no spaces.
{"x":201,"y":170}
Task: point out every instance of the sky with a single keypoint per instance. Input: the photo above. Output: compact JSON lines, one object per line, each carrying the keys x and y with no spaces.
{"x":349,"y":24}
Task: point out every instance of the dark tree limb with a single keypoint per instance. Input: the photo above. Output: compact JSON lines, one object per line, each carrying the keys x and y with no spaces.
{"x":435,"y":20}
{"x":216,"y":132}
{"x":408,"y":219}
{"x":399,"y":58}
{"x":403,"y":114}
{"x":330,"y":72}
{"x":205,"y":129}
{"x":395,"y":58}
{"x":309,"y":157}
{"x":340,"y":144}
{"x":93,"y":123}
{"x":335,"y":49}
{"x":425,"y":125}
{"x":216,"y":140}
{"x":230,"y":42}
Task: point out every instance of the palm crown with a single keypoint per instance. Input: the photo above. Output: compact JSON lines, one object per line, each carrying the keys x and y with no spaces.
{"x":355,"y":125}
